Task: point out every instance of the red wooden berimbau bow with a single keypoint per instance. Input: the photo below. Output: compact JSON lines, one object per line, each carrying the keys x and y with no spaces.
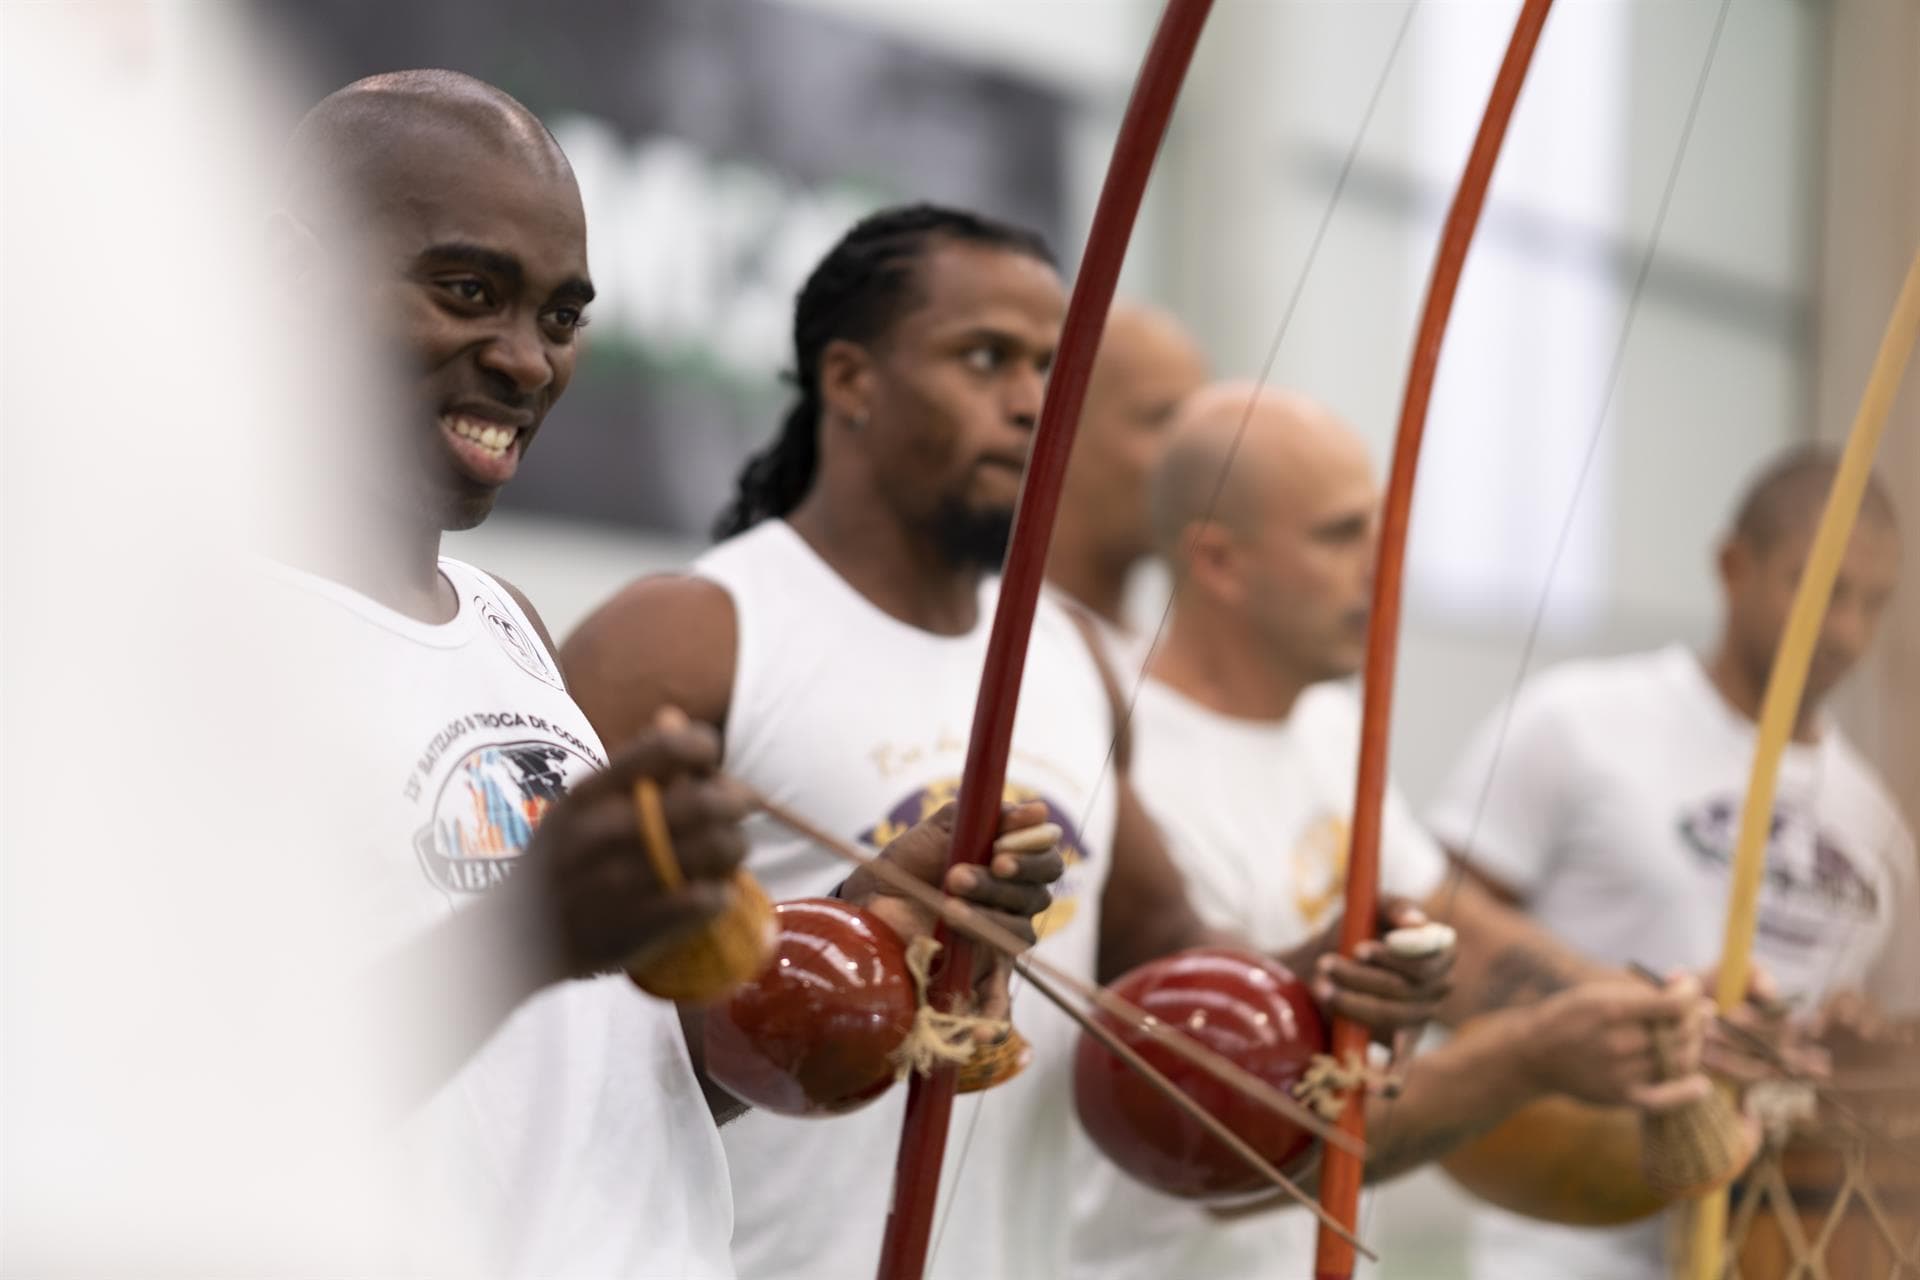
{"x":1341,"y":1172}
{"x":923,"y":1137}
{"x":930,"y":1098}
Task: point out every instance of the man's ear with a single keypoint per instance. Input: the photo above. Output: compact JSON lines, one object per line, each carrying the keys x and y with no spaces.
{"x":1213,"y":561}
{"x":1733,"y":562}
{"x":846,"y":383}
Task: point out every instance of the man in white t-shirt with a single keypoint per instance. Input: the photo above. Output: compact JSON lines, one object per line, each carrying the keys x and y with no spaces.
{"x":1612,"y":796}
{"x":1148,"y":365}
{"x":554,"y":1122}
{"x":1245,"y":756}
{"x":836,"y":635}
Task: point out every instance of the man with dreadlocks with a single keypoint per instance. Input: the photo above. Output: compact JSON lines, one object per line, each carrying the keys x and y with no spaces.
{"x":836,"y":637}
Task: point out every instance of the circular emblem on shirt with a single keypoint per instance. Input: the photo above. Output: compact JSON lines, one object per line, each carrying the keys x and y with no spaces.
{"x":526,"y":650}
{"x":487,"y":807}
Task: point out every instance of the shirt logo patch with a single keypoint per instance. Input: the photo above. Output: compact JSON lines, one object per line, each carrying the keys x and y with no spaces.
{"x":486,"y":810}
{"x":1805,"y":866}
{"x":925,"y":802}
{"x":526,"y":651}
{"x":1318,"y":865}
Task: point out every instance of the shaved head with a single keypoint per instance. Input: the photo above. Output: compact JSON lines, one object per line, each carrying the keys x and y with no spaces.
{"x":1265,"y":502}
{"x":366,"y":139}
{"x":1137,"y":334}
{"x":437,"y":215}
{"x":1239,"y":453}
{"x":1786,"y":498}
{"x":1147,"y":366}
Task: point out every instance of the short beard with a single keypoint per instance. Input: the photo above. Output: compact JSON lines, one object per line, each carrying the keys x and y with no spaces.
{"x":972,"y":539}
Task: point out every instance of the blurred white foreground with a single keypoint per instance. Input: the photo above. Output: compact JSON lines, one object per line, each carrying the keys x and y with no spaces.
{"x":184,"y":1085}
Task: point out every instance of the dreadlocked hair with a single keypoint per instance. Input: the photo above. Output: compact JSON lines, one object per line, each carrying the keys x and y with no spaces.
{"x":859,"y":289}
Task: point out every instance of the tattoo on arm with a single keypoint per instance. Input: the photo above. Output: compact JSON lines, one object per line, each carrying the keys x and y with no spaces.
{"x":1393,"y":1153}
{"x":1520,"y":975}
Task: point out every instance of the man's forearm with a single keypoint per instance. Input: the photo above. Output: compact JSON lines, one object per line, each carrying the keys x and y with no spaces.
{"x":1451,"y":1094}
{"x":1504,"y":959}
{"x":1448,"y":1096}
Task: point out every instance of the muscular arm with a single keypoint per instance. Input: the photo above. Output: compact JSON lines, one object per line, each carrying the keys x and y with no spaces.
{"x":666,"y":641}
{"x":1504,"y":958}
{"x":1456,"y":1093}
{"x":1589,"y":1045}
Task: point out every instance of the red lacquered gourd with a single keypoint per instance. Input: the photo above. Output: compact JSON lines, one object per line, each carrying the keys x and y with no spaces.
{"x":814,"y":1034}
{"x":1244,"y":1007}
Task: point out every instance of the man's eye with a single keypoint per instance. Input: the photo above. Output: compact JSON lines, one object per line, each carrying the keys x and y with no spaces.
{"x":466,"y":289}
{"x":983,"y":359}
{"x":565,"y":322}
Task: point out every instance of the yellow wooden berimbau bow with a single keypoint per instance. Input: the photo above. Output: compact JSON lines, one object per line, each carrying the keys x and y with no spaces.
{"x":1781,"y":706}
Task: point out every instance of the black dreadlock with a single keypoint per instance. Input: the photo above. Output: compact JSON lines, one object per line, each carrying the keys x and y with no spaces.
{"x":857,"y":291}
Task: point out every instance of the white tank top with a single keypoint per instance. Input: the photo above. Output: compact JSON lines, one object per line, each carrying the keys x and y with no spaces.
{"x":576,"y":1142}
{"x":860,"y":722}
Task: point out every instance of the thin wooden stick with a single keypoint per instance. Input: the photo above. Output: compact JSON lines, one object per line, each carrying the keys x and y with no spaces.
{"x":958,"y":915}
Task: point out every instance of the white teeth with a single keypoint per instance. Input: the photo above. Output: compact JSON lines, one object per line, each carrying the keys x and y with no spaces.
{"x":487,"y":435}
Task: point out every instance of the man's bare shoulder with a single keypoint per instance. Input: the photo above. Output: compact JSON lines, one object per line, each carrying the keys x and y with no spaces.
{"x":664,"y":640}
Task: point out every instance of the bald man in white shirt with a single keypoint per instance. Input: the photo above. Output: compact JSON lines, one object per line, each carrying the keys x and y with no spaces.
{"x":1615,"y":796}
{"x":1244,"y":754}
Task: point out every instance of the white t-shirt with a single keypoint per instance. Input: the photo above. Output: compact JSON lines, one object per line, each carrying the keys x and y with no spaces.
{"x":860,"y":721}
{"x":1255,"y":813}
{"x":1613,"y":811}
{"x":576,"y":1142}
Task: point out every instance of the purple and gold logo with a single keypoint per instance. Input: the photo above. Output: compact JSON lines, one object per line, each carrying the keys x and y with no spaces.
{"x":927,"y":801}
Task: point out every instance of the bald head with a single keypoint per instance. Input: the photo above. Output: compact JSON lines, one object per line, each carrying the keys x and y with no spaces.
{"x":1785,"y":500}
{"x":1240,"y":454}
{"x":1265,"y":504}
{"x":1138,"y":335}
{"x":444,"y":203}
{"x":371,"y":139}
{"x":1146,"y":367}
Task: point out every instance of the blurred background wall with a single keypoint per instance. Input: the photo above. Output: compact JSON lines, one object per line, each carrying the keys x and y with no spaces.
{"x":722,"y":144}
